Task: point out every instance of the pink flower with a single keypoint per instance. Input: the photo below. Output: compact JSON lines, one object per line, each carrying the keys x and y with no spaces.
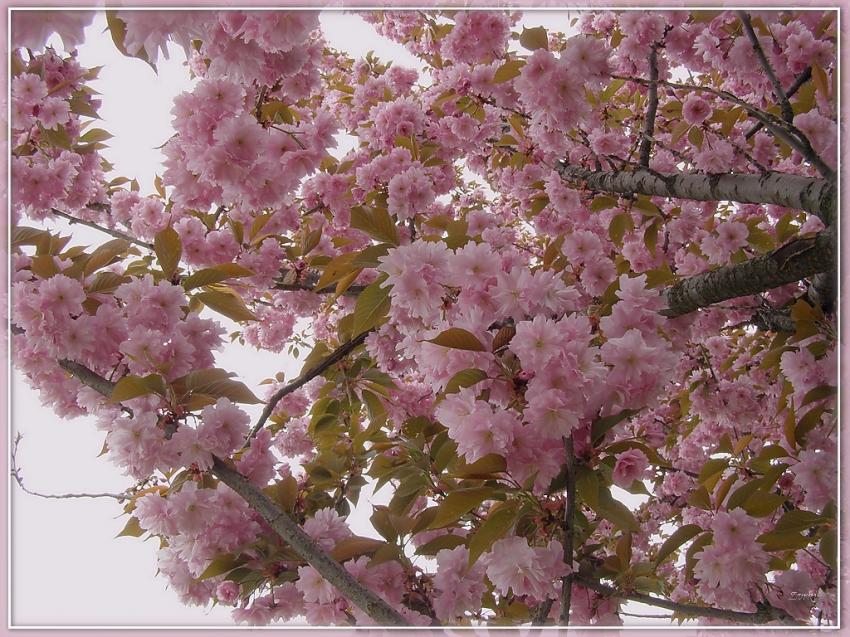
{"x":314,"y":587}
{"x":54,"y":112}
{"x":513,"y":565}
{"x":61,"y":296}
{"x":695,"y":110}
{"x":536,"y":342}
{"x":459,"y":587}
{"x":629,"y":467}
{"x":227,"y":592}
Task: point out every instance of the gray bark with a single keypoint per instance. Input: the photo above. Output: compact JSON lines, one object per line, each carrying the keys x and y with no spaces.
{"x":815,"y":196}
{"x":305,"y":547}
{"x":283,"y":525}
{"x":792,"y":262}
{"x":763,"y":615}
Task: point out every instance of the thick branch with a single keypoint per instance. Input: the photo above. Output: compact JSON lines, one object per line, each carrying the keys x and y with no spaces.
{"x":792,"y":262}
{"x":307,"y":549}
{"x":764,"y":615}
{"x":569,"y":529}
{"x":778,"y":92}
{"x":801,"y":79}
{"x":773,"y":320}
{"x":815,"y":196}
{"x":284,"y":526}
{"x":333,"y":358}
{"x":87,"y":377}
{"x":651,"y":108}
{"x":113,"y":233}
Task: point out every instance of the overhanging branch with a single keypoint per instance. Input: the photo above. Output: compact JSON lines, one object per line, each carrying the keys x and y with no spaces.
{"x":812,"y":195}
{"x":792,"y":262}
{"x":765,"y":614}
{"x":778,"y":92}
{"x":283,"y":525}
{"x":332,"y":359}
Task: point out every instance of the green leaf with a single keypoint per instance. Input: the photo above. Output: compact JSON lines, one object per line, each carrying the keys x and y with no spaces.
{"x":336,"y":269}
{"x":230,"y":305}
{"x":602,"y":202}
{"x":215,"y":274}
{"x":535,"y":38}
{"x":829,"y":547}
{"x":216,"y":383}
{"x":106,"y":282}
{"x":819,"y":393}
{"x":95,"y":135}
{"x":696,"y":136}
{"x":220,"y":566}
{"x":496,"y":526}
{"x":783,"y":540}
{"x":355,"y":546}
{"x":603,"y":425}
{"x":711,"y":468}
{"x":614,"y":511}
{"x":464,"y":378}
{"x":372,"y":306}
{"x":763,"y":505}
{"x":458,"y":338}
{"x":131,"y":529}
{"x":620,"y":224}
{"x":131,"y":387}
{"x":105,"y":254}
{"x":376,"y":222}
{"x":587,"y":486}
{"x":696,"y":546}
{"x":484,"y":467}
{"x":436,"y":545}
{"x":675,"y":541}
{"x":508,"y":71}
{"x":459,"y":503}
{"x":168,"y":249}
{"x":799,"y":520}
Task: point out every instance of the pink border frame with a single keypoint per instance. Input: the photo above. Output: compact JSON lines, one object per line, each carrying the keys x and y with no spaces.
{"x":367,"y":632}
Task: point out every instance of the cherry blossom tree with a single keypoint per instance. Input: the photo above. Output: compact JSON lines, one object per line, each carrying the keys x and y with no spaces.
{"x":570,"y":297}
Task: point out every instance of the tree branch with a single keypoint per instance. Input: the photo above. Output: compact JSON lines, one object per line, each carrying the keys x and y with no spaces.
{"x":91,"y":224}
{"x":307,"y":549}
{"x":801,"y":79}
{"x":568,"y":529}
{"x":15,"y":472}
{"x":651,"y":108}
{"x":333,"y":358}
{"x":780,"y":129}
{"x":812,"y":195}
{"x":765,"y":614}
{"x":792,"y":262}
{"x":284,"y":526}
{"x":778,"y":92}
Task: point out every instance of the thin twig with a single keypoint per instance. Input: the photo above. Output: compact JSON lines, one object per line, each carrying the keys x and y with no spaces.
{"x":778,"y":92}
{"x":780,"y":129}
{"x":15,"y":472}
{"x":333,"y":358}
{"x":114,"y":233}
{"x":801,"y":79}
{"x":765,"y":614}
{"x":651,"y":108}
{"x":568,"y":529}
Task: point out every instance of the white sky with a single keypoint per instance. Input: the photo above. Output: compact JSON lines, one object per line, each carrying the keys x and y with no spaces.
{"x":67,"y":568}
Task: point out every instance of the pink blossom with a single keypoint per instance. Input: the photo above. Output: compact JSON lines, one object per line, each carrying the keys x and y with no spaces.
{"x":630,"y":466}
{"x":695,"y":110}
